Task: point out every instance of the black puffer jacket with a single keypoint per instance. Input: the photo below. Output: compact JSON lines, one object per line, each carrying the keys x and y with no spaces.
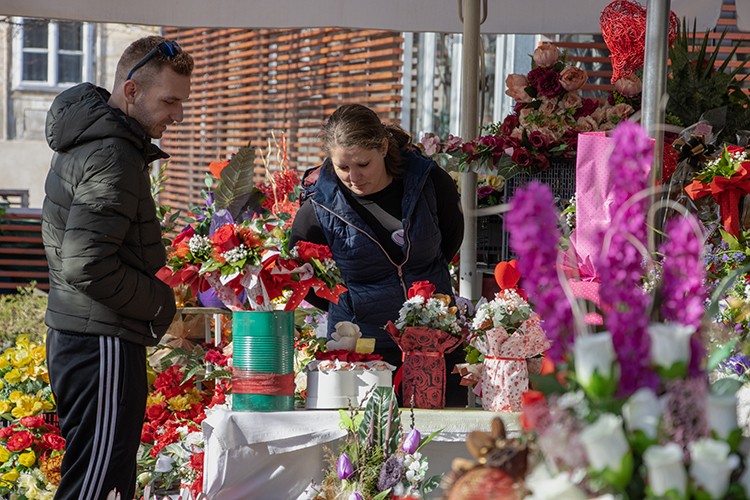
{"x":101,"y":234}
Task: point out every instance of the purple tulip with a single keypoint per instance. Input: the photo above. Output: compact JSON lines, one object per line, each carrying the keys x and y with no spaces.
{"x":355,"y":496}
{"x":411,"y":443}
{"x":345,"y":468}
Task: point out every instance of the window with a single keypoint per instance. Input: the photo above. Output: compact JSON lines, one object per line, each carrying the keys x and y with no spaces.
{"x":51,"y":53}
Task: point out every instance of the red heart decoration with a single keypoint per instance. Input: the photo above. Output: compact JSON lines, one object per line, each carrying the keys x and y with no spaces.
{"x":507,"y":274}
{"x":623,"y":24}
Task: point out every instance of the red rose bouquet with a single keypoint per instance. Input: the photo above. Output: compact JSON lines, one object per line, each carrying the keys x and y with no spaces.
{"x":427,"y":329}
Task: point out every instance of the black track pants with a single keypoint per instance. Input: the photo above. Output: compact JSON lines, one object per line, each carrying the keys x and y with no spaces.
{"x":100,"y":386}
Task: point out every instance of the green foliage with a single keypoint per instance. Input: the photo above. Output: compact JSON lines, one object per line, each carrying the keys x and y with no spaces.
{"x":381,"y":425}
{"x":236,"y":186}
{"x":22,"y":312}
{"x":167,"y":218}
{"x":696,"y":86}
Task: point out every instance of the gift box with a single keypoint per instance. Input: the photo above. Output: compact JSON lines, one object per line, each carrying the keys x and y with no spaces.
{"x":505,"y":373}
{"x":422,"y":375}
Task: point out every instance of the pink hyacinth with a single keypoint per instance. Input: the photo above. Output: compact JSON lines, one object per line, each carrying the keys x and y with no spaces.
{"x":683,"y":293}
{"x":620,"y":269}
{"x":534,"y":236}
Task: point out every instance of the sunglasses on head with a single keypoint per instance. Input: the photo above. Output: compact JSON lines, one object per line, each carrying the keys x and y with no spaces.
{"x":167,"y":48}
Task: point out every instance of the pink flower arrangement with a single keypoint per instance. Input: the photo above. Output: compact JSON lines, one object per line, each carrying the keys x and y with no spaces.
{"x":548,"y":116}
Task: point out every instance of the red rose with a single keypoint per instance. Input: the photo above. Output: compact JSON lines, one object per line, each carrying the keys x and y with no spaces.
{"x":307,"y":251}
{"x":19,"y":441}
{"x":225,"y":238}
{"x":424,"y":289}
{"x":32,"y":422}
{"x":509,"y":123}
{"x":147,"y":434}
{"x":6,"y":432}
{"x":156,"y":413}
{"x":185,"y":236}
{"x":250,"y":238}
{"x":54,"y":442}
{"x":521,"y":157}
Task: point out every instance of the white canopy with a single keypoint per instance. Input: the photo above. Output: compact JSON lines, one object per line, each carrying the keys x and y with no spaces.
{"x":504,"y":16}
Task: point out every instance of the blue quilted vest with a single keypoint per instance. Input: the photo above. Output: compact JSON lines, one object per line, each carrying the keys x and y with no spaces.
{"x":377,"y":285}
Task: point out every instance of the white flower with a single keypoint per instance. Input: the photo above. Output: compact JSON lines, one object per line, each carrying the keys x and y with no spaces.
{"x":200,"y":246}
{"x":711,"y":465}
{"x":593,"y":353}
{"x":163,"y":463}
{"x":605,"y":443}
{"x":665,"y":469}
{"x":722,"y":414}
{"x":670,"y":343}
{"x":559,"y":487}
{"x":642,"y":411}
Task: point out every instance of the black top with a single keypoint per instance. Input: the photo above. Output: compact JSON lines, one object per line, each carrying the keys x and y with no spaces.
{"x":307,"y":227}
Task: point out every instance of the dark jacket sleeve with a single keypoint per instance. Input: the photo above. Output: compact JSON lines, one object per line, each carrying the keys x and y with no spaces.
{"x":450,"y":216}
{"x":102,"y":212}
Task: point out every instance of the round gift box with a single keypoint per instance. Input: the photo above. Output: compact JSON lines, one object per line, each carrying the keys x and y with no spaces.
{"x":333,"y":389}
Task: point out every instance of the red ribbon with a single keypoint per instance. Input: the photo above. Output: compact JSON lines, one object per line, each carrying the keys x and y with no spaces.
{"x":727,"y":192}
{"x":269,"y":384}
{"x":503,"y":358}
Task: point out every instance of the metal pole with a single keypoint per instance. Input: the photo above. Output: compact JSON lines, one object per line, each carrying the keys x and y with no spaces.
{"x":655,"y":79}
{"x":469,"y":281}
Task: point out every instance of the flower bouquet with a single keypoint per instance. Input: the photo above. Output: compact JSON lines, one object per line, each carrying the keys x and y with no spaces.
{"x":727,"y":180}
{"x":548,"y":116}
{"x":31,"y":453}
{"x":507,"y":333}
{"x":24,"y":381}
{"x":236,"y":246}
{"x":426,"y":329}
{"x":378,"y":461}
{"x":629,"y":411}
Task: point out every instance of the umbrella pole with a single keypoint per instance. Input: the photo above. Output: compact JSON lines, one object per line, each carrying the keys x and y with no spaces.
{"x":655,"y":79}
{"x":469,"y":279}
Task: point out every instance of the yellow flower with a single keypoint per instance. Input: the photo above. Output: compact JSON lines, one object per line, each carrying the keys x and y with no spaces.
{"x":27,"y":459}
{"x":5,"y":406}
{"x":495,"y":181}
{"x":2,"y":384}
{"x":45,"y":377}
{"x":39,"y":354}
{"x":22,"y":340}
{"x":13,"y":376}
{"x":4,"y":360}
{"x":154,"y":399}
{"x":4,"y":454}
{"x":15,"y":396}
{"x":10,"y":476}
{"x":27,"y":406}
{"x":47,"y":405}
{"x":20,"y":358}
{"x":178,"y":403}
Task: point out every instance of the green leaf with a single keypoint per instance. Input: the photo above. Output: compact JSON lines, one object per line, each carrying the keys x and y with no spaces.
{"x":725,"y":386}
{"x":719,"y":355}
{"x":546,"y":384}
{"x":431,"y":483}
{"x":236,"y":179}
{"x":713,"y":308}
{"x":383,"y":495}
{"x":381,"y":421}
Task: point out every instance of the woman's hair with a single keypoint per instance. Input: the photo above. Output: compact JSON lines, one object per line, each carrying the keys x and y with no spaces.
{"x":356,"y":125}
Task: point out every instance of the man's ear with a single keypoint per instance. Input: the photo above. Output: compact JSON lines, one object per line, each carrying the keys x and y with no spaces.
{"x":130,"y":89}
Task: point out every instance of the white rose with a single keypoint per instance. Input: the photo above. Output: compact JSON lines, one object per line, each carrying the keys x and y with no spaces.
{"x":605,"y":443}
{"x":642,"y":411}
{"x":670,"y":344}
{"x":592,"y":354}
{"x":721,"y":412}
{"x":711,"y":465}
{"x":665,"y":469}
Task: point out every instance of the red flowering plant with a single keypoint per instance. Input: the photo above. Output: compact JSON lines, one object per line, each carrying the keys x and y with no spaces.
{"x":238,"y":246}
{"x":171,"y":453}
{"x":31,"y":452}
{"x":546,"y":120}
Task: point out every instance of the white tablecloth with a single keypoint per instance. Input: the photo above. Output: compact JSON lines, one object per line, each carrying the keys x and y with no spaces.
{"x":254,"y":455}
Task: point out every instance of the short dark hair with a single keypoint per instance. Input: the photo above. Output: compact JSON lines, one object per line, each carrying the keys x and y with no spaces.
{"x":181,"y":63}
{"x":356,"y":125}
